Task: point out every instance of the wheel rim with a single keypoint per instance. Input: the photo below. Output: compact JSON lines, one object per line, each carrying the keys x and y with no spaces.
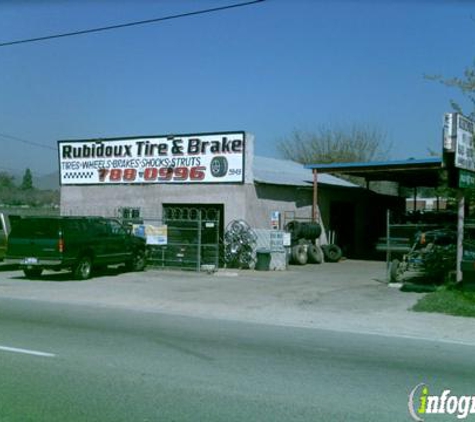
{"x":85,"y":268}
{"x":139,"y":261}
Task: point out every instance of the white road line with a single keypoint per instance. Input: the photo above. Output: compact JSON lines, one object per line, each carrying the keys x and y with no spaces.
{"x":27,"y":352}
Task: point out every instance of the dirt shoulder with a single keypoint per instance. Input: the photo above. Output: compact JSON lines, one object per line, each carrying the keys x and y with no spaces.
{"x":348,"y":296}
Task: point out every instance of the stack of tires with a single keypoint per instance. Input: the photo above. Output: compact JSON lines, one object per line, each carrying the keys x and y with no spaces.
{"x":304,"y":249}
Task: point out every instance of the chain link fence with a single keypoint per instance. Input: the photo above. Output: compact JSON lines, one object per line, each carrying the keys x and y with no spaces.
{"x":182,"y":236}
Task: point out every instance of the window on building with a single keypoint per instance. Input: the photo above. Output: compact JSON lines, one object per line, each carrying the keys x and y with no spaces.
{"x":129,"y":213}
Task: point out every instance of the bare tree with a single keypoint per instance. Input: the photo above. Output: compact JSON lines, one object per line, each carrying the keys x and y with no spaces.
{"x":465,"y":84}
{"x":336,"y":144}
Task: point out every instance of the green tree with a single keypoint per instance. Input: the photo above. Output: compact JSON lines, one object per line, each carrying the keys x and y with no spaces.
{"x":27,"y":182}
{"x":25,"y":194}
{"x":6,"y":180}
{"x":336,"y":144}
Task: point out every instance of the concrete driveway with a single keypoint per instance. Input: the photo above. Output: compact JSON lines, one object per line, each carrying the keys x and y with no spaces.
{"x":347,"y":296}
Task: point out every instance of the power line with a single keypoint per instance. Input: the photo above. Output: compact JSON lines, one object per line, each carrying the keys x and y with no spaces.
{"x":125,"y":25}
{"x":25,"y":141}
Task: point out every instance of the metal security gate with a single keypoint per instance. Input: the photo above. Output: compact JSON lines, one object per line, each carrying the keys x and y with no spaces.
{"x":189,"y":238}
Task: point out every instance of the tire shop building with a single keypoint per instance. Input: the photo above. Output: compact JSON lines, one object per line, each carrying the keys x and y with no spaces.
{"x":217,"y":176}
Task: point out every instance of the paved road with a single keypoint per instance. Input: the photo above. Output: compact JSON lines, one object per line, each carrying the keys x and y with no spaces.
{"x":101,"y":364}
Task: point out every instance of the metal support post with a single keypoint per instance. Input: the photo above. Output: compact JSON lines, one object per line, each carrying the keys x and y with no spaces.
{"x":198,"y":249}
{"x":460,"y":230}
{"x":315,"y":196}
{"x":388,"y":244}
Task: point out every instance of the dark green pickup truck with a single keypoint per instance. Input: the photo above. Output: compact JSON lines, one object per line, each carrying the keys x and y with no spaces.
{"x":74,"y":243}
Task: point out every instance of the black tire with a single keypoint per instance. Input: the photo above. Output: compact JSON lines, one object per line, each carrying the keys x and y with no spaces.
{"x":299,"y":255}
{"x":315,"y":254}
{"x":394,"y":274}
{"x":295,"y":228}
{"x":332,"y":253}
{"x":32,"y":273}
{"x":137,"y":263}
{"x":83,"y":268}
{"x":310,"y":231}
{"x":219,"y":166}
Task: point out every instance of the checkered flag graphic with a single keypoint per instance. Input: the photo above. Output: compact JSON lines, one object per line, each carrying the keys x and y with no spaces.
{"x":78,"y":175}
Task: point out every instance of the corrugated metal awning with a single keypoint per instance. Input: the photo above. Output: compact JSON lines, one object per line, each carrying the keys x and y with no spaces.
{"x":409,"y":173}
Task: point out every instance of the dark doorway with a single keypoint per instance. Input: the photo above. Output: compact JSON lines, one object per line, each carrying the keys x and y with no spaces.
{"x":342,"y":223}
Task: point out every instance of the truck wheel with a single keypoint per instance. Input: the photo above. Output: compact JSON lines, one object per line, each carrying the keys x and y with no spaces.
{"x":315,"y":254}
{"x":83,"y":268}
{"x":137,"y":263}
{"x":32,"y":273}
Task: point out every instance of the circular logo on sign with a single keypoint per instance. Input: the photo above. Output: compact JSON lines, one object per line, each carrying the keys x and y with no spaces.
{"x":219,"y":166}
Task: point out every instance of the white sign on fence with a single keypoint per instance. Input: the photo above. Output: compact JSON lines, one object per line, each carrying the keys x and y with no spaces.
{"x":153,"y":235}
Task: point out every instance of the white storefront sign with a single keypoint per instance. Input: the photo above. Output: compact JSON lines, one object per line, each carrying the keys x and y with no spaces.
{"x":202,"y":158}
{"x":458,"y":138}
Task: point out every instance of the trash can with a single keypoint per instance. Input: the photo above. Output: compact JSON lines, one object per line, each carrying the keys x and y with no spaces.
{"x":263,"y":258}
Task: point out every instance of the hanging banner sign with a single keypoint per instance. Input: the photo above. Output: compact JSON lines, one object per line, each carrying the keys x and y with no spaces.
{"x":458,"y":138}
{"x":203,"y":158}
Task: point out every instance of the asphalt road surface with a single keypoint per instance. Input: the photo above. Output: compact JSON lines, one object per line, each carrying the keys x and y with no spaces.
{"x":74,"y":363}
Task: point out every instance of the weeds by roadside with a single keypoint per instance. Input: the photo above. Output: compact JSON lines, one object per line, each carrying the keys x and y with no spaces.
{"x":448,"y":300}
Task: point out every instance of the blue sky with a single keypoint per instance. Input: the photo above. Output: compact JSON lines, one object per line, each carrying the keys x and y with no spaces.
{"x":268,"y":69}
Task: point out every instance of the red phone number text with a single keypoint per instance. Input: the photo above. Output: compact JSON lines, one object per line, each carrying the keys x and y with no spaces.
{"x":152,"y":174}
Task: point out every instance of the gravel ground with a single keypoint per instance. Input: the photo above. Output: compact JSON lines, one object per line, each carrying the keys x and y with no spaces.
{"x":348,"y":296}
